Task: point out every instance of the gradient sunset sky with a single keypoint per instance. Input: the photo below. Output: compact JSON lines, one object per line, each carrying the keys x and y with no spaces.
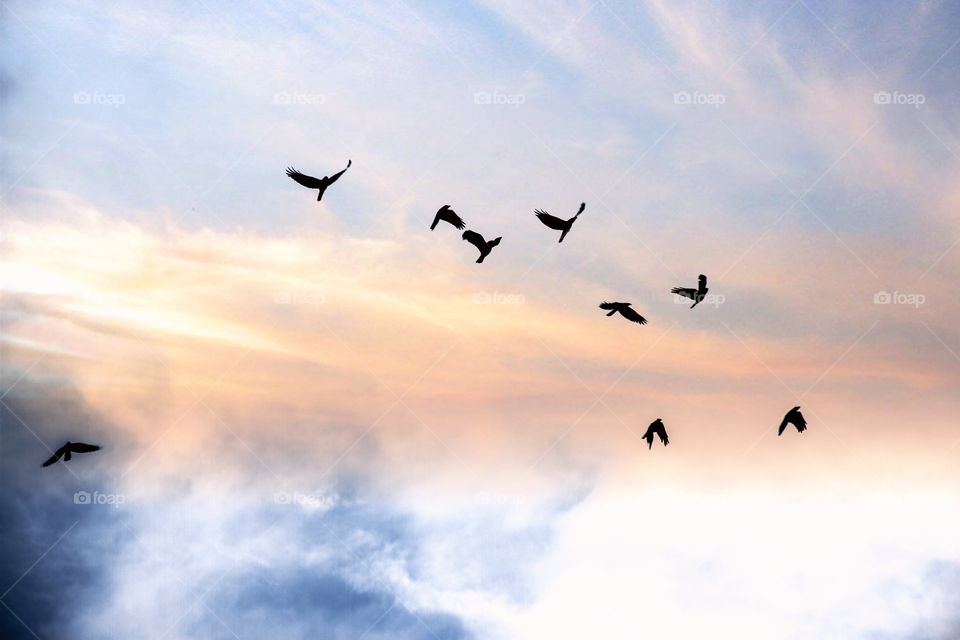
{"x":322,"y":420}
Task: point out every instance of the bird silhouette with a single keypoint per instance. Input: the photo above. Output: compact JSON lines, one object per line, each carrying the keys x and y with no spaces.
{"x":316,"y":183}
{"x":477,"y":240}
{"x":66,"y":451}
{"x":656,"y":428}
{"x":447,"y":214}
{"x":795,"y":418}
{"x":697,"y":294}
{"x":557,"y":223}
{"x":624,"y":309}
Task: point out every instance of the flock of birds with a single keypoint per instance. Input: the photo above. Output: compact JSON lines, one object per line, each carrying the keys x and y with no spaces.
{"x":446,"y":214}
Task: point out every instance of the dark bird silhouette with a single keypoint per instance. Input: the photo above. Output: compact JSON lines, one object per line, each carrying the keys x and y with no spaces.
{"x":557,"y":223}
{"x":795,"y":418}
{"x":316,"y":183}
{"x":477,"y":240}
{"x":697,"y":294}
{"x":656,"y":428}
{"x":66,"y":451}
{"x":447,"y":214}
{"x":624,"y":309}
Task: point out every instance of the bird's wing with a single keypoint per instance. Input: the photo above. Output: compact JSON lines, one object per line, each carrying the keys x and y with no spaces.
{"x":551,"y":221}
{"x":609,"y":306}
{"x":82,"y":447}
{"x":449,"y":215}
{"x":783,"y":425}
{"x":52,"y":459}
{"x":632,"y":315}
{"x":307,"y":181}
{"x":474,"y":238}
{"x":662,"y":432}
{"x":798,"y":421}
{"x":685,"y":292}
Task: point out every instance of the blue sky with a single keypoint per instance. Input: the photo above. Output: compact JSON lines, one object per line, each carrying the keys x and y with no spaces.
{"x":324,"y":419}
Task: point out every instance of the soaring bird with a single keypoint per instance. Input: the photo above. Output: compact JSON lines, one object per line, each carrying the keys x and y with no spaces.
{"x":556,"y":223}
{"x":447,"y":214}
{"x":316,"y":183}
{"x":697,"y":295}
{"x":66,"y":451}
{"x":477,"y":240}
{"x":625,"y":310}
{"x":656,"y":428}
{"x":795,"y":418}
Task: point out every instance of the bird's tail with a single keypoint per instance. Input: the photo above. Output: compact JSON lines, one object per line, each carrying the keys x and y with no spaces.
{"x":567,"y":230}
{"x":434,"y":225}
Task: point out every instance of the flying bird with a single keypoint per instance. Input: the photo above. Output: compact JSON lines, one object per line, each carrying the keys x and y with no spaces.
{"x":447,"y":214}
{"x":624,"y":309}
{"x":477,"y":240}
{"x":66,"y":451}
{"x":656,"y":428}
{"x":795,"y":418}
{"x":697,"y":295}
{"x":557,"y":223}
{"x":316,"y":183}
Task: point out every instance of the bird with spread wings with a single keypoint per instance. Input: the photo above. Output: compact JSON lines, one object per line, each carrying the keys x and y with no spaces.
{"x":447,"y":214}
{"x":624,"y":309}
{"x":310,"y":182}
{"x":656,"y":428}
{"x":559,"y":223}
{"x":795,"y":418}
{"x":66,"y":451}
{"x":477,"y":240}
{"x":697,"y":295}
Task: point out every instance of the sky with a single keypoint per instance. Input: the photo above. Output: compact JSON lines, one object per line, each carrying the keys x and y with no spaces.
{"x":323,"y":420}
